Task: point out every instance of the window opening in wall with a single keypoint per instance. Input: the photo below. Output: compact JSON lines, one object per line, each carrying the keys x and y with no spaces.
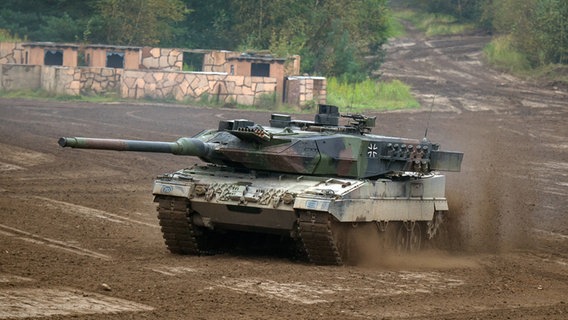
{"x":81,"y":59}
{"x":260,"y":70}
{"x":193,"y":61}
{"x":26,"y":58}
{"x":115,"y":60}
{"x":232,"y":70}
{"x":53,"y":57}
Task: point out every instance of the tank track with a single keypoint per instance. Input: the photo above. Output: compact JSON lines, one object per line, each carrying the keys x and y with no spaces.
{"x":179,"y":233}
{"x":315,"y":231}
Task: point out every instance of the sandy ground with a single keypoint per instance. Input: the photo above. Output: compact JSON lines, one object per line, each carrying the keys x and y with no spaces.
{"x":79,"y":236}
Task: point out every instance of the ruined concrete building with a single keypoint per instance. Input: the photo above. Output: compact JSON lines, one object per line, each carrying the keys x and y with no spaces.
{"x":157,"y":73}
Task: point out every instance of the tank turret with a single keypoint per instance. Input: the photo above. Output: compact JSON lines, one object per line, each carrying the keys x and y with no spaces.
{"x":319,"y":147}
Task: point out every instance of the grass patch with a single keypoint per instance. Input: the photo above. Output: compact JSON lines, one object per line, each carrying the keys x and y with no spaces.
{"x":501,"y":54}
{"x":396,"y":28}
{"x":6,"y":36}
{"x":434,"y":24}
{"x":370,"y":95}
{"x":556,"y":74}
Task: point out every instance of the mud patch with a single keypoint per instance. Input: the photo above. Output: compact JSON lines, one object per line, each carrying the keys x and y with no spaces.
{"x":52,"y":243}
{"x":4,"y":167}
{"x":173,"y":271}
{"x":30,"y":303}
{"x":8,"y":278}
{"x":21,"y":157}
{"x":90,"y":212}
{"x":352,"y":287}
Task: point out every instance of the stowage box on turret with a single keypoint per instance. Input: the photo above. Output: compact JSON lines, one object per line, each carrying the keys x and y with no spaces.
{"x":315,"y":183}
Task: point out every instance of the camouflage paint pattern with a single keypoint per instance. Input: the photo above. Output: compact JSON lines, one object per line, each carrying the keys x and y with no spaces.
{"x":299,"y":148}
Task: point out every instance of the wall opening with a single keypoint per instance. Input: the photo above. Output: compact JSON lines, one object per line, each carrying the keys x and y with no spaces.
{"x":193,"y":61}
{"x":53,"y":57}
{"x":82,"y":59}
{"x":115,"y":60}
{"x":260,"y":70}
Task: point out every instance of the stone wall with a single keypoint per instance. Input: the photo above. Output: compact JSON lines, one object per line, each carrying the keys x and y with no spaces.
{"x":177,"y":85}
{"x":100,"y":80}
{"x":80,"y":81}
{"x":11,"y":52}
{"x":161,"y":59}
{"x":156,"y":73}
{"x":183,"y":86}
{"x":217,"y":60}
{"x":303,"y":90}
{"x":61,"y":80}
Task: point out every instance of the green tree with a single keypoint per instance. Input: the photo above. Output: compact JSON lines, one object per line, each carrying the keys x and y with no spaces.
{"x":45,"y":20}
{"x":136,"y":22}
{"x":211,"y":26}
{"x":333,"y":37}
{"x":539,"y":28}
{"x":463,"y":10}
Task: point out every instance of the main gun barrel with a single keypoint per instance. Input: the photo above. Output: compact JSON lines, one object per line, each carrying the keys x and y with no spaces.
{"x":183,"y":146}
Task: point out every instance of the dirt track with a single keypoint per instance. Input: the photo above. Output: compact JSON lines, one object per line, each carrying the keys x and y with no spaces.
{"x":80,"y":238}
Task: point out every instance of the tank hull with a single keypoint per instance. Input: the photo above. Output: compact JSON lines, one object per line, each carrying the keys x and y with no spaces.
{"x":307,"y":209}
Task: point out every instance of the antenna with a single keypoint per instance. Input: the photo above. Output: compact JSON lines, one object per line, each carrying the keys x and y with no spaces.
{"x":352,"y":96}
{"x":429,"y":116}
{"x":353,"y":93}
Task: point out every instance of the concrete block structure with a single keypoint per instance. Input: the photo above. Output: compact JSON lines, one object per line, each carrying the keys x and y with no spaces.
{"x":145,"y":72}
{"x":106,"y":56}
{"x":50,"y":54}
{"x":253,"y":65}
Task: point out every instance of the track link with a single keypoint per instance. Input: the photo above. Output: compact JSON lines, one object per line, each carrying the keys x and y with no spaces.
{"x":315,"y":230}
{"x":177,"y":229}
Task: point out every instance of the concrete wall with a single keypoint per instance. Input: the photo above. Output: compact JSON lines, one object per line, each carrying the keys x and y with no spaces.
{"x":11,"y":52}
{"x":131,"y":59}
{"x":95,"y":58}
{"x":233,"y":63}
{"x":302,"y":90}
{"x":61,"y":80}
{"x":178,"y":85}
{"x":36,"y":55}
{"x":70,"y":57}
{"x":19,"y":77}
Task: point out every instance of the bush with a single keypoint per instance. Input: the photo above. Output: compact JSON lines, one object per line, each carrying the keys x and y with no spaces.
{"x":500,"y":53}
{"x":370,"y":95}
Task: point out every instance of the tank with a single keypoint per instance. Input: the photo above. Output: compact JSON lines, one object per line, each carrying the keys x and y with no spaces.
{"x":312,"y":186}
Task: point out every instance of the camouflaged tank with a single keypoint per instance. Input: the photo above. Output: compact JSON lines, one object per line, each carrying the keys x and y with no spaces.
{"x":316,"y":183}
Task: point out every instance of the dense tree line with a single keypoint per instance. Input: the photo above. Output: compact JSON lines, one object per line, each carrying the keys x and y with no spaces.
{"x":538,"y":28}
{"x":334,"y":37}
